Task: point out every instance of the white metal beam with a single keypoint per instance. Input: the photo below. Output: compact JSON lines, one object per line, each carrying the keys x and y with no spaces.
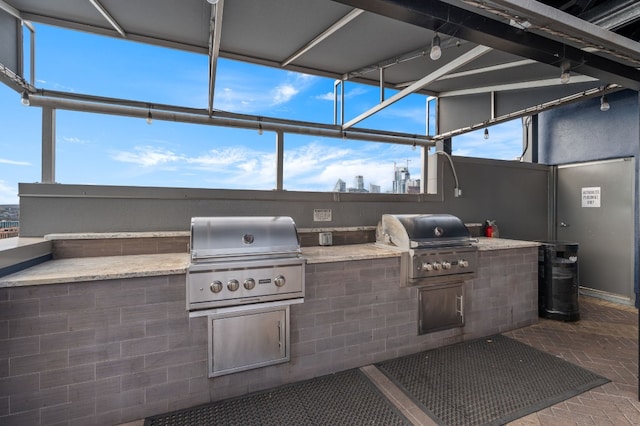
{"x":471,"y":55}
{"x":215,"y":33}
{"x":516,"y":86}
{"x":476,"y":71}
{"x":323,"y":35}
{"x":105,"y":13}
{"x":10,"y":9}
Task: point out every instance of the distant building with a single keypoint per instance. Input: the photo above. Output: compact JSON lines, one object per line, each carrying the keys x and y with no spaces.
{"x":340,"y":186}
{"x":374,"y":188}
{"x":9,"y":228}
{"x":402,"y":182}
{"x":359,"y":185}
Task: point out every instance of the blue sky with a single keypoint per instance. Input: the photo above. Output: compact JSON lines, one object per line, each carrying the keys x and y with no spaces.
{"x":111,"y":150}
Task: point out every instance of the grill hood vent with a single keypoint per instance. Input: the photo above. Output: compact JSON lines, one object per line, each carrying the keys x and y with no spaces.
{"x":410,"y":231}
{"x":222,"y":237}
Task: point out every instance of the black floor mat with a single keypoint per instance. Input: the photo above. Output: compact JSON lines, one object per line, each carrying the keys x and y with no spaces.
{"x":337,"y":399}
{"x":489,"y":381}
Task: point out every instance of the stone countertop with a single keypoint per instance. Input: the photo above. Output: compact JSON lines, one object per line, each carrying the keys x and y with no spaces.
{"x":327,"y":254}
{"x":98,"y":268}
{"x":147,"y":265}
{"x":485,"y":243}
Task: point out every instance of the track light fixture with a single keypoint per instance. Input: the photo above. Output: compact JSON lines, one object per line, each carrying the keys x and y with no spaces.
{"x":24,"y":99}
{"x":565,"y":72}
{"x":604,"y":104}
{"x":486,"y":133}
{"x":436,"y":51}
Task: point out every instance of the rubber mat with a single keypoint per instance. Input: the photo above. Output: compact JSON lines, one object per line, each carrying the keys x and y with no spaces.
{"x":489,"y":381}
{"x":337,"y":399}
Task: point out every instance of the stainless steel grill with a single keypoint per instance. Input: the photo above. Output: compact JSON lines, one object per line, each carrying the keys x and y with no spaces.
{"x":243,"y":260}
{"x":433,"y":246}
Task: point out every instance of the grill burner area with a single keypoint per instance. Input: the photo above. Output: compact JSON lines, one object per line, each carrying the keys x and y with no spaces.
{"x":433,"y":245}
{"x":243,"y":260}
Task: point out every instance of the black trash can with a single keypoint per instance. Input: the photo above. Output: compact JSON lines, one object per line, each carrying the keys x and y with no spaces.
{"x":558,"y":280}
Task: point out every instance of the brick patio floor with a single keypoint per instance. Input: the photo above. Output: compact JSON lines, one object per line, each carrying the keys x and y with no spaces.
{"x":605,"y":341}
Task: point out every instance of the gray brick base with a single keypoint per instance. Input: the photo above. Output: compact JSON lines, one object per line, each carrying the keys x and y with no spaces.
{"x":108,"y":352}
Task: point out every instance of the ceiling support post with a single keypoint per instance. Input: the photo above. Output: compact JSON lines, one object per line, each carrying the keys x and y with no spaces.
{"x":279,"y":160}
{"x":48,"y":145}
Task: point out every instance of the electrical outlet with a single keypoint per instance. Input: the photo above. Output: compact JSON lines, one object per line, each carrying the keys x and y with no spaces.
{"x":457,"y":192}
{"x":325,"y":238}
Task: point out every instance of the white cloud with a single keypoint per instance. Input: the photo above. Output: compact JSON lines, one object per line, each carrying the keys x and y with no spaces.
{"x":283,"y":94}
{"x":74,"y":140}
{"x":349,"y":94}
{"x":221,"y":157}
{"x":14,"y":162}
{"x":8,"y":193}
{"x":147,"y":156}
{"x":325,"y":97}
{"x":315,"y":166}
{"x":504,"y":143}
{"x":245,"y":93}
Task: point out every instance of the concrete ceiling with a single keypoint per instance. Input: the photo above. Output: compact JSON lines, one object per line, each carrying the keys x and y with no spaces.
{"x":503,"y":55}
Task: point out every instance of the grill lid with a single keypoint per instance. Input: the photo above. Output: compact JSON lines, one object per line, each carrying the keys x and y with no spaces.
{"x":224,"y":237}
{"x":408,"y":231}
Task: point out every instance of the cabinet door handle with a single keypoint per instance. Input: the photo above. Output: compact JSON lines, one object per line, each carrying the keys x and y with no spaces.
{"x":280,"y":334}
{"x":460,"y":306}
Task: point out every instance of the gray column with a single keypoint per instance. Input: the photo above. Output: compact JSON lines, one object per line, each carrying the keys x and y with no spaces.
{"x":48,"y":145}
{"x":279,"y":159}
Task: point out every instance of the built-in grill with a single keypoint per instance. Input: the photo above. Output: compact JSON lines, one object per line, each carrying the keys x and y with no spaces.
{"x":437,"y":256}
{"x":435,"y":246}
{"x":243,"y":260}
{"x":244,"y":274}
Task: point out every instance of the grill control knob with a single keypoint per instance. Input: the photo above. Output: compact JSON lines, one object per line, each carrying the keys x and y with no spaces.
{"x":279,"y":281}
{"x":446,"y":265}
{"x":437,"y":266}
{"x":426,"y":266}
{"x":233,"y":285}
{"x":216,"y":287}
{"x":463,"y":263}
{"x":249,"y":283}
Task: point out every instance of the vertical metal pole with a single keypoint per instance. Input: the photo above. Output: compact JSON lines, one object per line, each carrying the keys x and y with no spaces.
{"x":381,"y":84}
{"x":279,"y":160}
{"x":424,"y":176}
{"x":335,"y":101}
{"x":32,"y":74}
{"x":342,"y":103}
{"x":48,"y":145}
{"x":493,"y":105}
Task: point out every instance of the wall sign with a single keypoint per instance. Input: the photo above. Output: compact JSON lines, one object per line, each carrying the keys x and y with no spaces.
{"x":591,"y":196}
{"x":322,"y":215}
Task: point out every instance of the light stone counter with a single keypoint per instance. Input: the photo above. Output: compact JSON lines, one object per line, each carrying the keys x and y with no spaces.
{"x":146,"y":265}
{"x":485,"y":243}
{"x":99,"y":268}
{"x":327,"y":254}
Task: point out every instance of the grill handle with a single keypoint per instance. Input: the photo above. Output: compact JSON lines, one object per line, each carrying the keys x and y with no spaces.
{"x":460,"y":306}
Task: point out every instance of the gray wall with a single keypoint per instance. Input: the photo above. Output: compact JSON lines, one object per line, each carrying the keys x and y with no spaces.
{"x":581,"y":132}
{"x":513,"y":193}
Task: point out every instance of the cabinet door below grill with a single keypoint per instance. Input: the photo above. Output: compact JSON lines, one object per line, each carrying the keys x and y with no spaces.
{"x":440,"y":307}
{"x":248,"y":339}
